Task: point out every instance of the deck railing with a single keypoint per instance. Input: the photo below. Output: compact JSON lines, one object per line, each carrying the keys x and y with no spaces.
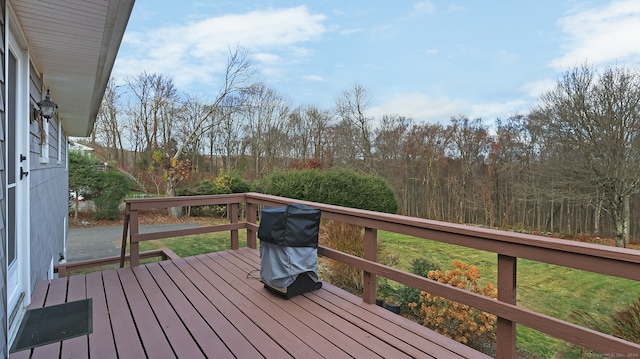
{"x":508,"y":247}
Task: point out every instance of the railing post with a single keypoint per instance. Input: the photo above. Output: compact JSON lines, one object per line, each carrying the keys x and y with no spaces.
{"x":370,"y":253}
{"x":233,"y":217}
{"x":252,"y":218}
{"x":506,"y":332}
{"x":125,"y":232}
{"x":134,"y":261}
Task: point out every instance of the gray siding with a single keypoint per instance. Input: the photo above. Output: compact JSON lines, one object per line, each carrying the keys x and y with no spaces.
{"x":3,"y":261}
{"x":49,"y":193}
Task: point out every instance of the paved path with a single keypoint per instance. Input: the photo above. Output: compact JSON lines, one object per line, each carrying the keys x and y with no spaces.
{"x":100,"y":242}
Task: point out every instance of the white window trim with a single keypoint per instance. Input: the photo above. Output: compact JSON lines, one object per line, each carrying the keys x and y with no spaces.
{"x":59,"y":141}
{"x":44,"y":147}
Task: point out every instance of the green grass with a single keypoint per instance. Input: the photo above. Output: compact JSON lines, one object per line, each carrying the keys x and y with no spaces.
{"x":552,"y":290}
{"x":196,"y":244}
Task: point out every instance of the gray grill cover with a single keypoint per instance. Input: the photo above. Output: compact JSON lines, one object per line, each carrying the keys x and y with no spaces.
{"x":288,"y":244}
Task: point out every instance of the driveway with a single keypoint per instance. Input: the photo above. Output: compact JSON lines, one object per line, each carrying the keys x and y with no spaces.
{"x":100,"y":242}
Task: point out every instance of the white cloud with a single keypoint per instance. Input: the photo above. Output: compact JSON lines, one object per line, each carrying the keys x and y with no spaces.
{"x":601,"y":35}
{"x":492,"y":111}
{"x":537,"y":88}
{"x":423,"y":8}
{"x":351,"y":31}
{"x":197,"y":52}
{"x":314,"y":78}
{"x":420,"y":107}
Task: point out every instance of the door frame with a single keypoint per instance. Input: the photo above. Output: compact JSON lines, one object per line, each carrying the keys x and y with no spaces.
{"x":18,"y":274}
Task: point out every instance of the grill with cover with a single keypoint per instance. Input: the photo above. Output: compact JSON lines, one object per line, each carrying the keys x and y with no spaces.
{"x":289,"y":249}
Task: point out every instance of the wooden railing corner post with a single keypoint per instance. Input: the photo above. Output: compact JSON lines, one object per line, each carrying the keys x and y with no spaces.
{"x":371,"y":254}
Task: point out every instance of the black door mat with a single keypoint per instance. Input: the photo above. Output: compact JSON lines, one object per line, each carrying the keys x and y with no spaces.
{"x":52,"y":324}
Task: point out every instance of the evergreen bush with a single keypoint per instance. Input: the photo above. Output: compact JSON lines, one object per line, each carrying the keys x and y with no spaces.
{"x":223,"y":184}
{"x":339,"y":187}
{"x":111,"y":189}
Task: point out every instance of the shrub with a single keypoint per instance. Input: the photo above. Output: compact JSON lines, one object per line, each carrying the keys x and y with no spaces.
{"x":348,"y":238}
{"x":409,"y":296}
{"x":460,"y":322}
{"x":422,"y":267}
{"x":623,"y":324}
{"x":112,"y":188}
{"x":338,"y":187}
{"x":223,"y":184}
{"x":626,"y":322}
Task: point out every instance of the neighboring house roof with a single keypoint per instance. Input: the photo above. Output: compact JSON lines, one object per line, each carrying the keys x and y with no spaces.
{"x":80,"y":147}
{"x":74,"y":44}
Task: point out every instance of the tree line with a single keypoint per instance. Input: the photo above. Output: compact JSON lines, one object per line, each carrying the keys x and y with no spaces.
{"x":571,"y":165}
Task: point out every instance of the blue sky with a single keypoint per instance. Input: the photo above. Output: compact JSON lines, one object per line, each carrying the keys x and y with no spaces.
{"x":426,"y":60}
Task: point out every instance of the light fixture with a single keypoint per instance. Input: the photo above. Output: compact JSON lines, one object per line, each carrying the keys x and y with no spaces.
{"x":47,"y":107}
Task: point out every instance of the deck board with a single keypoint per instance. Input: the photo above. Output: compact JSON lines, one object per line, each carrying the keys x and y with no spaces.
{"x":144,"y":317}
{"x":297,"y":330}
{"x":79,"y":346}
{"x":174,"y":329}
{"x":333,"y":327}
{"x":213,"y":305}
{"x":198,"y":328}
{"x":101,"y":341}
{"x":293,"y":345}
{"x":181,"y":272}
{"x":56,"y":294}
{"x":123,"y":326}
{"x":242,"y":320}
{"x":335,"y":301}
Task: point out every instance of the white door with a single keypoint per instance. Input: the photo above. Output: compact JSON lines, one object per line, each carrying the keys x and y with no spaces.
{"x":17,"y":225}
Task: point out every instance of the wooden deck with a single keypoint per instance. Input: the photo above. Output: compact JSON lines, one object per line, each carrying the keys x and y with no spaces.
{"x":213,"y":306}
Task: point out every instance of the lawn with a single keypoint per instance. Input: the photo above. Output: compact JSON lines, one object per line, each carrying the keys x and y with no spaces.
{"x":548,"y":289}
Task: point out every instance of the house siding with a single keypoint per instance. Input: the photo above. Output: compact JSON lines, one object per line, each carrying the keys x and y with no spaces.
{"x":49,"y":192}
{"x":3,"y":261}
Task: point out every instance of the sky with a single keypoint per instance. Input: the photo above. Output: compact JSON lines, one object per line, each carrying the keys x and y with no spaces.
{"x":425,"y":60}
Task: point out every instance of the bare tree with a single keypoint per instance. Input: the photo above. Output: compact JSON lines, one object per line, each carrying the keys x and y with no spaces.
{"x":108,"y":130}
{"x":155,"y":95}
{"x":236,"y":77}
{"x":266,"y":112}
{"x":469,"y":145}
{"x":225,"y":133}
{"x":596,"y":120}
{"x":351,"y":107}
{"x":389,"y":153}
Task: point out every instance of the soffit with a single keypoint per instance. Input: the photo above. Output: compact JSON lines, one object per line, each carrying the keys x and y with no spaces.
{"x":73,"y":44}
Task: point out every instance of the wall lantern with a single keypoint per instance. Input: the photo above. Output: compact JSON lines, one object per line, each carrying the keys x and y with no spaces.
{"x":47,"y":107}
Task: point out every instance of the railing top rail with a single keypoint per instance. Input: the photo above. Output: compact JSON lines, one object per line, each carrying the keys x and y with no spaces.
{"x":621,"y":262}
{"x":183,"y":201}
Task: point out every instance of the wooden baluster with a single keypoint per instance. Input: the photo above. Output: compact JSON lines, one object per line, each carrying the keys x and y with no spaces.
{"x":252,"y":218}
{"x":370,"y":253}
{"x":125,"y":233}
{"x":233,"y":217}
{"x":135,"y":246}
{"x":506,"y":332}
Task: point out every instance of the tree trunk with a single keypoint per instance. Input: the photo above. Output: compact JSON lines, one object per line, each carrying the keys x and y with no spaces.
{"x":75,"y":207}
{"x":175,"y":212}
{"x":620,"y":218}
